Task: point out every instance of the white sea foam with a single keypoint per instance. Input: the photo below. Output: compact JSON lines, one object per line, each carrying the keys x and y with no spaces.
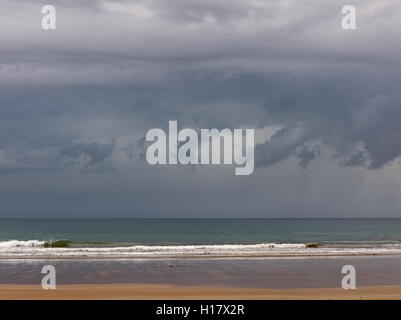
{"x":20,"y":243}
{"x":35,"y":248}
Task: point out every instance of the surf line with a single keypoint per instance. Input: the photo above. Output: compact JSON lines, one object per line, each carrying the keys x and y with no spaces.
{"x":190,"y":152}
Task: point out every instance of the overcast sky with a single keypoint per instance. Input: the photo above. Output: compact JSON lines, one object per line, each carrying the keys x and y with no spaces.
{"x":76,"y":103}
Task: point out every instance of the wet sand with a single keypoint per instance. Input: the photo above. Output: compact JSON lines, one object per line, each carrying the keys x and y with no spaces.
{"x":271,"y":273}
{"x":160,"y":291}
{"x":293,"y":278}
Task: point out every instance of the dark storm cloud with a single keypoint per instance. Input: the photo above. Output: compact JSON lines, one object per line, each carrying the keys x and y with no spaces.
{"x":339,"y":112}
{"x":307,"y":154}
{"x":359,"y":158}
{"x":83,"y":97}
{"x":95,"y":152}
{"x":282,"y":145}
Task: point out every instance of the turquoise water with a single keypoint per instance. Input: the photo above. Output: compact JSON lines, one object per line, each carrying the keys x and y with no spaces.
{"x":204,"y":231}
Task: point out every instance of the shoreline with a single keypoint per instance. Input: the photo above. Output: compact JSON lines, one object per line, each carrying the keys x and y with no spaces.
{"x":262,"y":273}
{"x":35,"y":249}
{"x":138,"y":291}
{"x":162,"y":257}
{"x":311,"y":254}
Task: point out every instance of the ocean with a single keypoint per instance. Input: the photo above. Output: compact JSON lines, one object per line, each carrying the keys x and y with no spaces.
{"x":143,"y":238}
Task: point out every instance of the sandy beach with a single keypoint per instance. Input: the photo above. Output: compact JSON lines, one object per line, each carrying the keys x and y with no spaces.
{"x":161,"y":291}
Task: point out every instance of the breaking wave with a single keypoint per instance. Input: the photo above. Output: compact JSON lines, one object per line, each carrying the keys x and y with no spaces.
{"x":37,"y":249}
{"x":20,"y":243}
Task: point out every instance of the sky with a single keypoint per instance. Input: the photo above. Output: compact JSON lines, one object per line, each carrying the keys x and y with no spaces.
{"x":76,"y":103}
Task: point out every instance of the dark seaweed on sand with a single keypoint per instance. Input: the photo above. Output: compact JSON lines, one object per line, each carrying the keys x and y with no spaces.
{"x":57,"y":244}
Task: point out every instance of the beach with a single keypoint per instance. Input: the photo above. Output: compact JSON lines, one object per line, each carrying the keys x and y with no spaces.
{"x":171,"y":292}
{"x":200,"y":259}
{"x":224,"y":278}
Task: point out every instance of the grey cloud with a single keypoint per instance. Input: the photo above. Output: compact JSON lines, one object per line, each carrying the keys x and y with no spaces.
{"x":95,"y":152}
{"x":307,"y":154}
{"x":359,"y":158}
{"x":282,"y":145}
{"x":84,"y":96}
{"x":241,"y":37}
{"x":337,"y":111}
